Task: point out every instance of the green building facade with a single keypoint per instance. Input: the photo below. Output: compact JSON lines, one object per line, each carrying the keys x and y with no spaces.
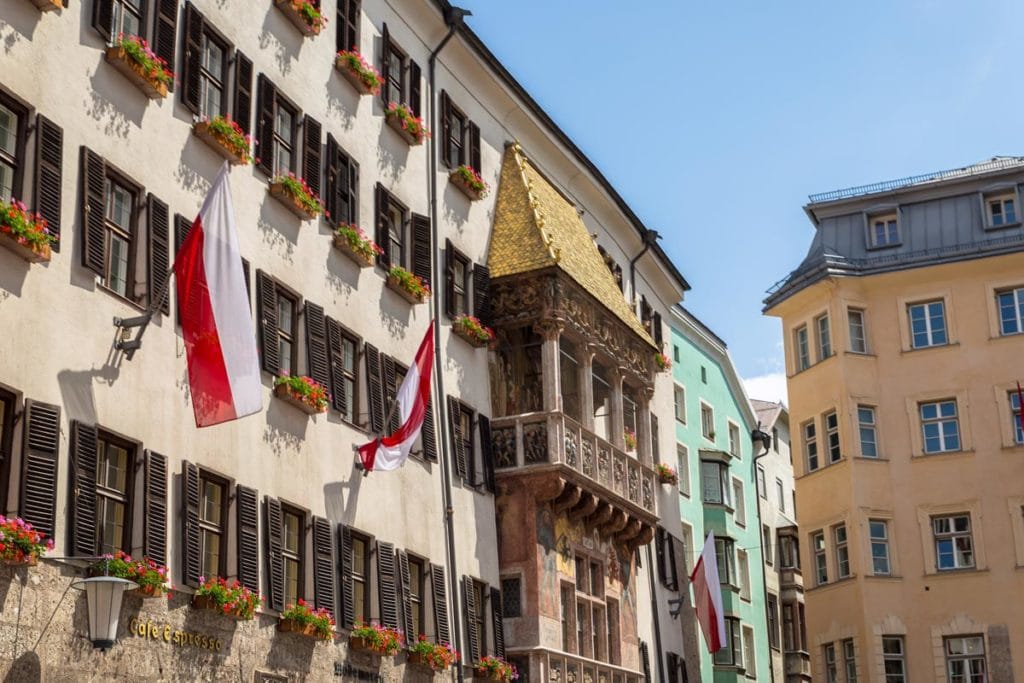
{"x":717,"y":492}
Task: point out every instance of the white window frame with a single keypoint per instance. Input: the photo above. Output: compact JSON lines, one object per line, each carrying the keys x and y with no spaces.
{"x":1001,"y":197}
{"x":722,"y":485}
{"x":966,"y":657}
{"x":867,"y":423}
{"x":760,"y":483}
{"x":812,"y":456}
{"x":750,"y":654}
{"x":735,"y":449}
{"x":823,"y":334}
{"x":767,"y":547}
{"x":1017,"y":293}
{"x":950,"y":532}
{"x":831,"y":663}
{"x":739,"y":504}
{"x":878,"y":539}
{"x":888,"y":219}
{"x":940,"y":420}
{"x":683,"y":466}
{"x":679,"y":403}
{"x":780,"y":491}
{"x":707,"y":421}
{"x":841,"y":539}
{"x":743,"y":573}
{"x":862,"y":336}
{"x":832,"y":440}
{"x":850,"y":660}
{"x":890,"y":655}
{"x":930,"y":328}
{"x":819,"y":552}
{"x":1018,"y":433}
{"x":801,"y":348}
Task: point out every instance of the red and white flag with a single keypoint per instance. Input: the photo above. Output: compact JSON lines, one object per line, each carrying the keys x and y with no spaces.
{"x":220,"y":342}
{"x":707,"y":596}
{"x":391,"y":452}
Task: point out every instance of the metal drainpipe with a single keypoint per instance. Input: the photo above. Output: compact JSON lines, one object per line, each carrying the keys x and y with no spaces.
{"x":453,"y":19}
{"x":760,"y":526}
{"x":649,"y":238}
{"x":654,"y":607}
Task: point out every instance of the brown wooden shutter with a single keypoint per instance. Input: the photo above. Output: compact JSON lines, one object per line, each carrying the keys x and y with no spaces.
{"x":439,"y":595}
{"x":385,"y":63}
{"x":323,"y":565}
{"x":311,"y":155}
{"x":41,"y":451}
{"x":83,"y":489}
{"x":275,"y":561}
{"x":422,"y":253}
{"x":374,"y":389}
{"x":352,"y":197}
{"x":247,"y":507}
{"x":191,"y":562}
{"x":266,"y":290}
{"x":655,"y":446}
{"x":498,"y":623}
{"x":446,"y":129}
{"x":154,"y":523}
{"x":49,"y":174}
{"x":265,"y":125}
{"x":94,"y":211}
{"x":190,"y":63}
{"x":659,"y":551}
{"x":316,"y":345}
{"x":670,"y":561}
{"x":182,"y":227}
{"x":455,"y":427}
{"x":380,"y":210}
{"x":449,"y":279}
{"x":645,"y":659}
{"x":103,"y":17}
{"x":390,"y":381}
{"x":348,"y":605}
{"x":486,"y":452}
{"x":482,"y":293}
{"x":332,"y":181}
{"x":386,"y":584}
{"x":472,"y":635}
{"x":243,"y":92}
{"x":165,"y":32}
{"x":411,"y":636}
{"x":428,"y":435}
{"x":336,"y":360}
{"x":656,"y":328}
{"x":158,"y":251}
{"x":248,"y":284}
{"x":415,"y":100}
{"x":474,"y":147}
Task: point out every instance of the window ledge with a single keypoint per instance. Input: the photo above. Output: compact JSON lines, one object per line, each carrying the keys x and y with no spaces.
{"x":1010,"y":335}
{"x":1013,"y":447}
{"x":123,"y":299}
{"x":912,"y":349}
{"x":838,"y":583}
{"x":718,"y":506}
{"x":883,"y":247}
{"x":966,"y":571}
{"x":884,"y":577}
{"x":1004,"y":226}
{"x":918,"y":457}
{"x":868,"y":458}
{"x":859,"y":354}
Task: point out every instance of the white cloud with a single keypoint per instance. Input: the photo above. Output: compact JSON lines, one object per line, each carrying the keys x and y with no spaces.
{"x":770,"y":387}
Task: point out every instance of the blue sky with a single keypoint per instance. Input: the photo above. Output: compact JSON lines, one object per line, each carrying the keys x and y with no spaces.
{"x":715,"y":120}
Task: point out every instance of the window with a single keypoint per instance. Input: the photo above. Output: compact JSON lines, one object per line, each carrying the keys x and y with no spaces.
{"x":740,"y":511}
{"x":114,"y":484}
{"x":734,"y":440}
{"x":766,"y":544}
{"x":679,"y":396}
{"x":512,"y":597}
{"x":850,"y":660}
{"x":842,"y":551}
{"x":750,"y":657}
{"x":404,"y":237}
{"x":725,"y":557}
{"x":954,"y":548}
{"x":460,"y":137}
{"x":341,"y":198}
{"x":1002,"y":210}
{"x":707,"y":421}
{"x":831,"y":670}
{"x":348,"y":25}
{"x":940,"y":426}
{"x":820,"y":559}
{"x":811,"y":446}
{"x":345,"y":376}
{"x":893,"y":659}
{"x":761,"y":486}
{"x":567,"y":597}
{"x":287,"y":323}
{"x":883,"y":231}
{"x":675,"y":353}
{"x":703,"y":374}
{"x":7,"y":409}
{"x":743,"y":573}
{"x":731,"y":653}
{"x":457,"y":276}
{"x":361,"y":577}
{"x":824,"y":337}
{"x":965,"y":659}
{"x":213,"y":53}
{"x":773,"y":621}
{"x":401,"y":76}
{"x":789,"y":632}
{"x":1011,"y":302}
{"x":714,"y":479}
{"x":479,"y":615}
{"x":127,"y":17}
{"x":858,"y":337}
{"x":866,"y":428}
{"x":1018,"y":430}
{"x":417,"y":574}
{"x":780,"y":493}
{"x":212,"y":524}
{"x":879,"y":533}
{"x":789,"y":551}
{"x":775,"y":439}
{"x":12,"y":147}
{"x":688,"y":549}
{"x":803,"y":350}
{"x":927,"y":324}
{"x":832,"y":436}
{"x":284,"y":135}
{"x":119,"y":226}
{"x":465,"y":419}
{"x":291,"y":554}
{"x":683,"y":467}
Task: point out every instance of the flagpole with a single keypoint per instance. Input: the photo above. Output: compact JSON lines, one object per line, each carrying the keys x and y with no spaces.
{"x":130,"y":346}
{"x":380,"y":435}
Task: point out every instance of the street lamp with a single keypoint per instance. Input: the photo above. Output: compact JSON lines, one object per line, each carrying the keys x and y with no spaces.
{"x":103,"y":596}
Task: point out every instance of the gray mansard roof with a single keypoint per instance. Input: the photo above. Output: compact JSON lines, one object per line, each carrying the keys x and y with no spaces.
{"x":941,"y":216}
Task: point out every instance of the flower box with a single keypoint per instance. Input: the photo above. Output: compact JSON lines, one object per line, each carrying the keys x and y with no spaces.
{"x":218,"y":143}
{"x":293,"y":10}
{"x":154,"y":89}
{"x":283,"y":392}
{"x":149,"y":592}
{"x":40,"y":255}
{"x":473,"y":331}
{"x":298,"y":628}
{"x":281,"y":193}
{"x":395,"y":285}
{"x":208,"y":603}
{"x":48,"y":5}
{"x":357,"y":644}
{"x":28,"y":561}
{"x":472,"y":340}
{"x":493,"y":676}
{"x":666,"y":475}
{"x":377,"y":639}
{"x":461,"y":179}
{"x":396,"y":123}
{"x":359,"y":258}
{"x":343,"y":63}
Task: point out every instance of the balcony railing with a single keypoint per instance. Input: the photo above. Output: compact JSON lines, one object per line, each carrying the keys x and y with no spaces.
{"x":535,"y":440}
{"x":558,"y":667}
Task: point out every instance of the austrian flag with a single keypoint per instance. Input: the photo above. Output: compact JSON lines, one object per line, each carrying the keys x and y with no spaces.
{"x":220,"y":342}
{"x":707,"y":597}
{"x":391,"y":452}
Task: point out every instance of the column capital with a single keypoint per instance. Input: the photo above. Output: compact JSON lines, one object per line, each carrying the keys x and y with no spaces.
{"x":549,"y":328}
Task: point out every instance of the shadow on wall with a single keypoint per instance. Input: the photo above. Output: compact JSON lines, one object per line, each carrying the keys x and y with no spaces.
{"x":395,"y":313}
{"x":279,"y":227}
{"x":194,"y":177}
{"x":286,"y":428}
{"x":19,"y":22}
{"x":342,"y":277}
{"x":394,"y":151}
{"x":13,"y":272}
{"x":280,"y":36}
{"x":456,"y":206}
{"x":289,"y":651}
{"x":26,"y":669}
{"x":342,"y":103}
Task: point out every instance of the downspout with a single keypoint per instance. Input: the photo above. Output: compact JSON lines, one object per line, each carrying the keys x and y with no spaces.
{"x":650,"y":237}
{"x":453,"y":17}
{"x":759,"y":436}
{"x":654,"y":608}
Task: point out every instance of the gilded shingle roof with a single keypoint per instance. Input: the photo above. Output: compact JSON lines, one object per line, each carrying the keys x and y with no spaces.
{"x":536,"y":227}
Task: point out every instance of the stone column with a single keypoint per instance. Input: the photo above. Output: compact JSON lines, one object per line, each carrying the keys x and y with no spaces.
{"x":551,"y":332}
{"x":586,"y":362}
{"x":644,"y":441}
{"x":617,"y":424}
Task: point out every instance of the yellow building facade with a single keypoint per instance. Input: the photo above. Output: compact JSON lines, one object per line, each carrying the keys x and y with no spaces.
{"x":903,"y":347}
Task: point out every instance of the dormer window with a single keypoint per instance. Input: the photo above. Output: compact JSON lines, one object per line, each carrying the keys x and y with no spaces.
{"x":883,"y":231}
{"x":1002,"y":210}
